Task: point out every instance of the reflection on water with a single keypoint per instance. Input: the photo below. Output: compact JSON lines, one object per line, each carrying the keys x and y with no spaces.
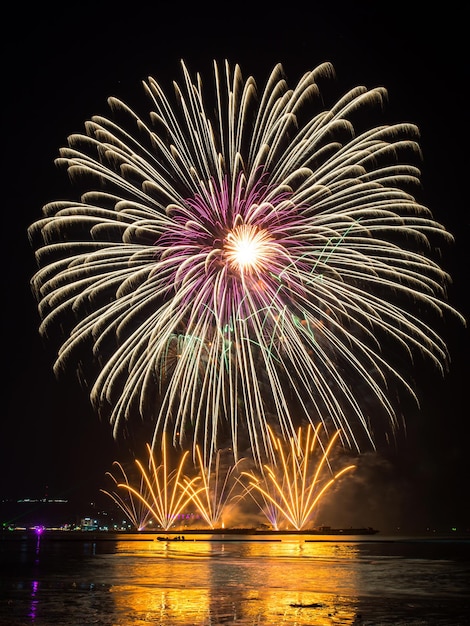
{"x":245,"y":582}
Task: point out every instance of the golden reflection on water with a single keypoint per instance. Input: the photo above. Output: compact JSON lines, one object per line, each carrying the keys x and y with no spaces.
{"x":207,"y":583}
{"x":163,"y":606}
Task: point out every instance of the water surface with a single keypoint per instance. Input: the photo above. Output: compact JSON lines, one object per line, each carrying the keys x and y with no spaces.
{"x":247,"y":581}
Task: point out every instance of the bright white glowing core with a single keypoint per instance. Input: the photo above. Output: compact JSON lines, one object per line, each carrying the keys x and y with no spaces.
{"x":247,"y":248}
{"x":246,"y":252}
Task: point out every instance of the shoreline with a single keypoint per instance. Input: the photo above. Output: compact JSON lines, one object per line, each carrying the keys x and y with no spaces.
{"x":322,"y":531}
{"x":224,"y":535}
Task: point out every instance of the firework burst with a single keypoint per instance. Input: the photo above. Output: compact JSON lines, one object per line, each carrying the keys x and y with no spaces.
{"x":238,"y":271}
{"x":216,"y":489}
{"x":161,"y":494}
{"x":291,"y":489}
{"x":135,"y":507}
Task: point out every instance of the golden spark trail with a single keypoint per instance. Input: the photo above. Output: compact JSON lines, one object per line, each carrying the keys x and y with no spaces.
{"x":218,"y":492}
{"x":163,"y":492}
{"x":293,"y":487}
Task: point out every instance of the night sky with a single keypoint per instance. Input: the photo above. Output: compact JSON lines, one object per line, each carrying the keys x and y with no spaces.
{"x":59,"y":67}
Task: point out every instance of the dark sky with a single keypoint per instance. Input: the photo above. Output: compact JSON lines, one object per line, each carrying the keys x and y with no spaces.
{"x":59,"y":67}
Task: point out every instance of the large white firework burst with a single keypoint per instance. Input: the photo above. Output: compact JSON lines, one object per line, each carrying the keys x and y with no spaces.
{"x":242,"y":268}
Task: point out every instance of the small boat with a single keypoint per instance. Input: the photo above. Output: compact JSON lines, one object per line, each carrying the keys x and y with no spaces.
{"x":178,"y":538}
